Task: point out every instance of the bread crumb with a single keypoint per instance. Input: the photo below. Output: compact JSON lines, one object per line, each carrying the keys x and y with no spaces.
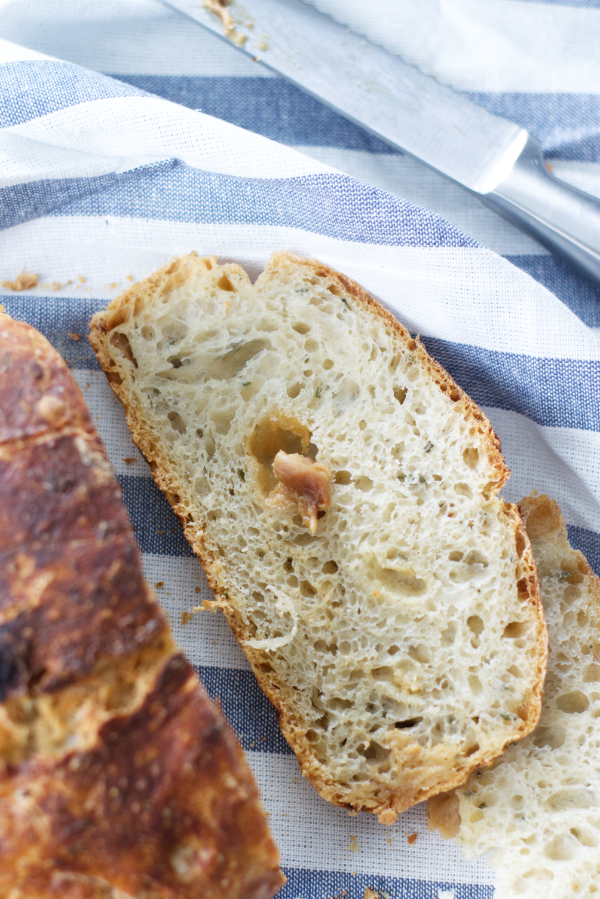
{"x":159,"y":584}
{"x":412,"y":839}
{"x":371,"y":894}
{"x":185,"y":617}
{"x":56,"y":285}
{"x":196,"y":589}
{"x":81,"y":279}
{"x":2,"y":309}
{"x":354,"y":846}
{"x":129,"y":460}
{"x":74,"y":335}
{"x":113,"y":285}
{"x":387,"y":816}
{"x":129,"y":277}
{"x":24,"y":281}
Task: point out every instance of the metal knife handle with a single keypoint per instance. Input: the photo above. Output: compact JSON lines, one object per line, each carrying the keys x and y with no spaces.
{"x":560,"y":217}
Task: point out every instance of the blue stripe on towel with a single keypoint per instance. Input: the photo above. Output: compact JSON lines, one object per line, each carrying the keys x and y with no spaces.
{"x":552,"y":392}
{"x":157,"y":528}
{"x":305,"y":883}
{"x":33,"y":88}
{"x":246,"y":708}
{"x":329,"y":204}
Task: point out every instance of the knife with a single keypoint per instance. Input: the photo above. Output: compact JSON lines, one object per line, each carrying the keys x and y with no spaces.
{"x":497,"y":161}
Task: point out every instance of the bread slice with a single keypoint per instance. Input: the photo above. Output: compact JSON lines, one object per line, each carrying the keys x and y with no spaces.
{"x":538,"y":808}
{"x":119,"y":779}
{"x":340,"y":491}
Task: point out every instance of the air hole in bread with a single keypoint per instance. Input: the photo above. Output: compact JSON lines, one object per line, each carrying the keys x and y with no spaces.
{"x":463,"y":490}
{"x":222,"y":419}
{"x":374,"y":752}
{"x":449,"y":634}
{"x":329,"y":567}
{"x":591,"y":674}
{"x":585,"y":837}
{"x":474,"y":684}
{"x":400,"y":394}
{"x":576,"y":574}
{"x":471,"y":457}
{"x":364,"y":483}
{"x":409,"y":722}
{"x":401,"y":579}
{"x":420,"y":653}
{"x":573,"y":703}
{"x":471,"y":750}
{"x":234,"y":358}
{"x":301,"y":327}
{"x":114,"y":377}
{"x":148,"y":333}
{"x":177,"y":422}
{"x":475,"y":557}
{"x":209,"y":444}
{"x":294,"y":390}
{"x":475,"y":623}
{"x":343,"y":477}
{"x":310,"y":345}
{"x":303,"y":539}
{"x":516,"y":629}
{"x":337,"y":704}
{"x":121,"y":342}
{"x":563,"y":847}
{"x":225,"y":284}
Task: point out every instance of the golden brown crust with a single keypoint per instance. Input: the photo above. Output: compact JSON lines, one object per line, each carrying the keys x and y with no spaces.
{"x":158,"y":799}
{"x":417,"y":782}
{"x":37,"y":393}
{"x":162,"y":805}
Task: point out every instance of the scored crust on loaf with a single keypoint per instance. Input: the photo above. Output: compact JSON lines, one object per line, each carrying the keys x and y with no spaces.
{"x":403,"y":644}
{"x":538,"y":808}
{"x":119,"y":779}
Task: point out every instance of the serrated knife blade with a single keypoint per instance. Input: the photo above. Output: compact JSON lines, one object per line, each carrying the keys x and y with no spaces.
{"x":493,"y":158}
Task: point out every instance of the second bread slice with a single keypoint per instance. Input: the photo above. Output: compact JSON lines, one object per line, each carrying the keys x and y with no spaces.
{"x":340,"y":491}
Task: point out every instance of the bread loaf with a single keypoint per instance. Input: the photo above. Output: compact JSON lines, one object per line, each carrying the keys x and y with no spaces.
{"x":538,"y":809}
{"x":340,"y":491}
{"x":119,"y":779}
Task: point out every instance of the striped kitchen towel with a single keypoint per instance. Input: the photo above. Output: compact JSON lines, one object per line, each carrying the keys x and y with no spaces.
{"x":101,"y":181}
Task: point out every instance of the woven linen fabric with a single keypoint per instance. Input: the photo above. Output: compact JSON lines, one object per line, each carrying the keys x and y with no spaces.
{"x":104,"y":179}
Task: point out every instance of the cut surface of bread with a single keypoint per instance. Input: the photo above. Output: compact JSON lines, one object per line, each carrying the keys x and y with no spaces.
{"x":538,"y":808}
{"x":340,"y":491}
{"x":119,"y":779}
